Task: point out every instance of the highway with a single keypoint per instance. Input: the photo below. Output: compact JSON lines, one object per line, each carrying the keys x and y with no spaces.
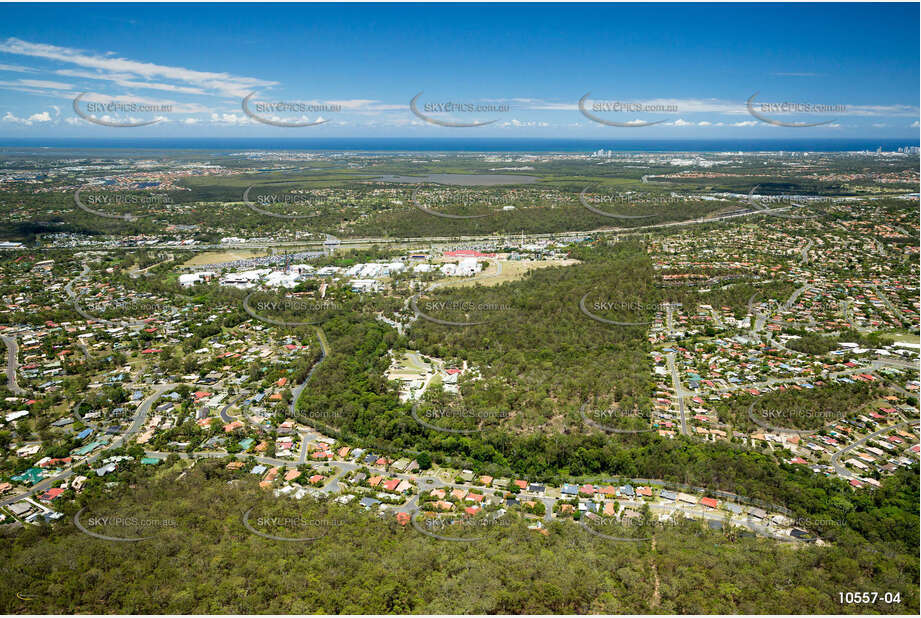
{"x":422,"y":240}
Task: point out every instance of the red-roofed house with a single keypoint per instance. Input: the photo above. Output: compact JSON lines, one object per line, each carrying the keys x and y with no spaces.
{"x":51,"y":494}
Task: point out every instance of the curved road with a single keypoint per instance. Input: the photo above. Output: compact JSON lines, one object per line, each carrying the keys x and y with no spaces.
{"x":324,"y":350}
{"x":836,"y":457}
{"x":223,"y":414}
{"x":140,"y":418}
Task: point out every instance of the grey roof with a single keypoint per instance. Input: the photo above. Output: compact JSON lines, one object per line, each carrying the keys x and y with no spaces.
{"x":668,"y":495}
{"x":105,"y":469}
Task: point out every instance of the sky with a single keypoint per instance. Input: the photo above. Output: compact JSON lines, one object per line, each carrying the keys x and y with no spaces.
{"x":656,"y":71}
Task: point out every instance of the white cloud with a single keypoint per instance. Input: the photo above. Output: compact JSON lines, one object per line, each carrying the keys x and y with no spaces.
{"x":514,"y":122}
{"x":230,"y":119}
{"x":745,"y":123}
{"x":15,"y":68}
{"x":37,"y":118}
{"x":881,"y":110}
{"x":683,"y":106}
{"x":126,"y":82}
{"x":40,"y":83}
{"x":223,"y":84}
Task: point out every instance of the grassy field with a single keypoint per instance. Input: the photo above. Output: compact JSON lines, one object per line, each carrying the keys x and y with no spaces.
{"x":904,"y":337}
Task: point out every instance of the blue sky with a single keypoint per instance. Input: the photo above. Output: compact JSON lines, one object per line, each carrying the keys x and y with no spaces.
{"x":522,"y":68}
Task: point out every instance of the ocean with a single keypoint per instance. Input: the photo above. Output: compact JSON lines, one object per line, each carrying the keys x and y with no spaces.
{"x":10,"y":146}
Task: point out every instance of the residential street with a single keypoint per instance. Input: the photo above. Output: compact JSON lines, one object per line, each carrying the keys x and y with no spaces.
{"x":12,"y":364}
{"x":138,"y":421}
{"x":836,"y":457}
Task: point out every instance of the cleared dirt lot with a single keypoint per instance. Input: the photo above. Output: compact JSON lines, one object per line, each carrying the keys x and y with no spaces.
{"x":216,"y":257}
{"x":503,"y":271}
